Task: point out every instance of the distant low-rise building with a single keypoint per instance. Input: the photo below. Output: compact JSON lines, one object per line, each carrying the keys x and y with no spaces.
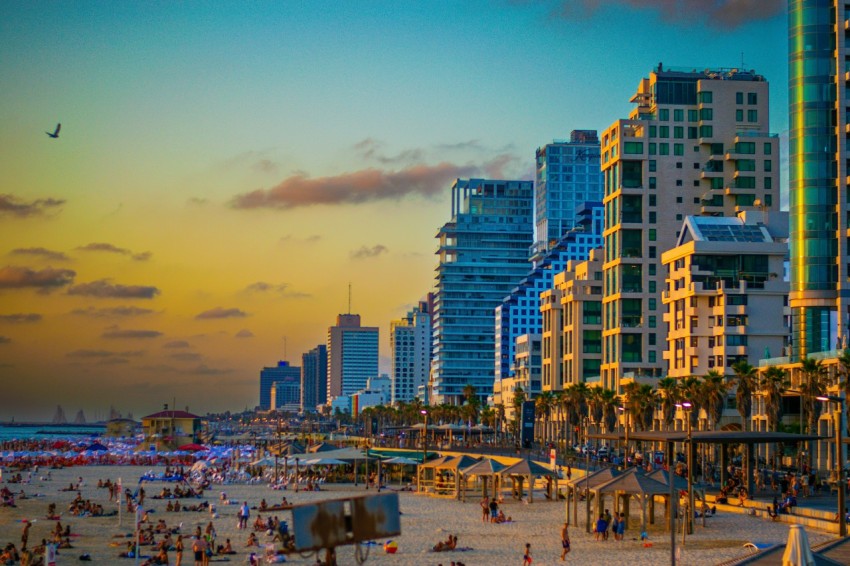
{"x":169,"y":429}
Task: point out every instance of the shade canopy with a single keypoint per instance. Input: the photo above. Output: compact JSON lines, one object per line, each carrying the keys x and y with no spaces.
{"x":526,"y":468}
{"x":633,"y":482}
{"x":486,"y":467}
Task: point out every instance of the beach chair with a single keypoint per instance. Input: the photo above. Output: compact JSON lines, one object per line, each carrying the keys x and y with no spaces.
{"x":759,"y":546}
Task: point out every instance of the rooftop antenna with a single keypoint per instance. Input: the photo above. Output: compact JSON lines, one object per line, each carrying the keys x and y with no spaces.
{"x":742,"y":61}
{"x":284,"y":348}
{"x":349,"y":297}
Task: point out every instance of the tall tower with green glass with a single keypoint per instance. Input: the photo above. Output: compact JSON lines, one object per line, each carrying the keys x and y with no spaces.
{"x":819,"y":82}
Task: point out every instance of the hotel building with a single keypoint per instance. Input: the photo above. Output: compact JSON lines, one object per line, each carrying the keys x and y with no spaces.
{"x":352,"y":355}
{"x":483,"y":254}
{"x":410,"y":351}
{"x":697,"y":142}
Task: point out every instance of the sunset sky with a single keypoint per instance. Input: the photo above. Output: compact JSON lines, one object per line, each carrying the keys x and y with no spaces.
{"x":225,"y":169}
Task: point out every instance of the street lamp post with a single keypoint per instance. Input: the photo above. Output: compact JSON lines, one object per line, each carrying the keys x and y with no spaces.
{"x":626,"y":433}
{"x":839,"y":461}
{"x":688,"y":523}
{"x":420,"y":475}
{"x":587,"y":472}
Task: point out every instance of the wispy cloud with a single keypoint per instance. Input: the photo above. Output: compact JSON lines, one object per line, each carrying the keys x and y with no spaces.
{"x":176,"y":344}
{"x":197,"y":201}
{"x":366,"y":252}
{"x":368,"y":185}
{"x":10,"y":205}
{"x":282,"y":290}
{"x":371,"y":149}
{"x":5,"y":340}
{"x":16,"y":277}
{"x":219,"y":312}
{"x":105,"y":289}
{"x":201,"y":369}
{"x":720,"y":14}
{"x":119,"y":333}
{"x":115,"y":312}
{"x":186,"y":356}
{"x":103,"y":354}
{"x":19,"y":318}
{"x":110,"y":248}
{"x":244,"y":333}
{"x":41,"y":252}
{"x":290,"y":239}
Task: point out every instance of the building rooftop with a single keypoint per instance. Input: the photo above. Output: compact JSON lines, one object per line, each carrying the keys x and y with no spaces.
{"x":172,"y":415}
{"x":722,"y":229}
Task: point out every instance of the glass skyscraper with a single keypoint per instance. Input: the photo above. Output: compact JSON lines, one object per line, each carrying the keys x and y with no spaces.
{"x":567,"y":175}
{"x":818,"y":97}
{"x":483,"y":254}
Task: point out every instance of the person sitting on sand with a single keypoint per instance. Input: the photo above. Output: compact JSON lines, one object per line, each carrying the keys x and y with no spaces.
{"x":263,"y":505}
{"x":252,"y":540}
{"x":449,"y":544}
{"x":259,"y":524}
{"x":226,"y":548}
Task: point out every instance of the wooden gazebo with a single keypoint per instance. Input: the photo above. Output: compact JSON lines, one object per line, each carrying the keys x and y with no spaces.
{"x":528,"y":470}
{"x":485,"y":470}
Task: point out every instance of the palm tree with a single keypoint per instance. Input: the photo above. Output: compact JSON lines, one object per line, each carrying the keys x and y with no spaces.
{"x":691,"y":390}
{"x":642,"y":401}
{"x":844,"y":383}
{"x":669,"y":389}
{"x":714,"y":390}
{"x":575,"y":400}
{"x":610,"y":404}
{"x":543,"y":407}
{"x":746,"y":379}
{"x":774,"y":382}
{"x":519,"y":399}
{"x":812,"y":385}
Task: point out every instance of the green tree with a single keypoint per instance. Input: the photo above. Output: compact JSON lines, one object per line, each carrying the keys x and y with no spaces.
{"x":668,"y":387}
{"x":844,"y":381}
{"x":746,"y":381}
{"x":714,"y":392}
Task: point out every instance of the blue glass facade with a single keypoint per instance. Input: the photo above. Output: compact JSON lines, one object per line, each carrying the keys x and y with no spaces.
{"x":483,"y":255}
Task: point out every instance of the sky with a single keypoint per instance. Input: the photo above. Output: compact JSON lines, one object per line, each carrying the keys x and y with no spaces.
{"x":224,"y":170}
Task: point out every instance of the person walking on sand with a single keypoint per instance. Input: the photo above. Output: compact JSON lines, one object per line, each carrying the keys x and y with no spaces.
{"x":485,"y":509}
{"x":244,"y":513}
{"x":178,"y":548}
{"x":565,"y":541}
{"x":526,"y":558}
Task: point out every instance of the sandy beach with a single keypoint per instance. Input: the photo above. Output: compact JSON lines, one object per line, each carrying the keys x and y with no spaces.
{"x":425,"y":520}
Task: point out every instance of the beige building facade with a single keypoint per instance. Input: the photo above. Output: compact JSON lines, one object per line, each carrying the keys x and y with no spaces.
{"x":697,"y":142}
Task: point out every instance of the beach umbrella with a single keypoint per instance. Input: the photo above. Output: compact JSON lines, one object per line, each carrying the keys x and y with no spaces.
{"x":96,"y":447}
{"x":192,"y":447}
{"x":401,"y":460}
{"x":324,"y":462}
{"x":797,"y":550}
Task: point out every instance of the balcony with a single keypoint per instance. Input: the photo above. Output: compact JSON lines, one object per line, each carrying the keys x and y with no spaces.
{"x":735,"y":309}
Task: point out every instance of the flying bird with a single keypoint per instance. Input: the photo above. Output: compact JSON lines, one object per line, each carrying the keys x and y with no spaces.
{"x":55,"y":133}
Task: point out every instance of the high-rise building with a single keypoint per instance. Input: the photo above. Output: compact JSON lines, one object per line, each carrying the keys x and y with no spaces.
{"x":410,"y":351}
{"x":571,"y":346}
{"x":698,"y":142}
{"x":281,"y":372}
{"x":567,"y":175}
{"x":314,"y":378}
{"x":352,"y":355}
{"x":820,"y":259}
{"x":519,"y":312}
{"x":725,"y":293}
{"x":483,"y":254}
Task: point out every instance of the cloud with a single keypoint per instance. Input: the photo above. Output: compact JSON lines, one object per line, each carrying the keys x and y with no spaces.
{"x":114,"y":312}
{"x":369,"y":148}
{"x":10,"y":205}
{"x":265,"y":166}
{"x":368,"y":185}
{"x":14,"y":277}
{"x":113,"y":361}
{"x":103,"y":289}
{"x":94,"y":354}
{"x":130,"y":334}
{"x":720,"y":14}
{"x":366,"y":252}
{"x":297,"y":240}
{"x":42,"y":252}
{"x":220,"y":312}
{"x":186,"y":356}
{"x":5,"y":339}
{"x":206,"y":370}
{"x":197,"y":201}
{"x":176,"y":344}
{"x":503,"y":167}
{"x":244,"y":333}
{"x":20,"y":317}
{"x":109,"y":248}
{"x":282,"y":290}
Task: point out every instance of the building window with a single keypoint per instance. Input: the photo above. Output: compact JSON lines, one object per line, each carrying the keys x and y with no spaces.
{"x":653,"y":149}
{"x":739,"y":115}
{"x":768,"y":165}
{"x":633,"y":148}
{"x":692,"y":133}
{"x":752,"y":98}
{"x":768,"y":148}
{"x":693,"y":115}
{"x":664,"y":131}
{"x":678,"y":132}
{"x":678,"y":165}
{"x":752,"y":116}
{"x":653,"y":131}
{"x":706,"y":131}
{"x":652,"y":235}
{"x":652,"y":165}
{"x":653,"y":182}
{"x":679,"y":200}
{"x":652,"y":198}
{"x":705,"y":97}
{"x":739,"y":98}
{"x":664,"y":115}
{"x":706,"y":114}
{"x":652,"y":252}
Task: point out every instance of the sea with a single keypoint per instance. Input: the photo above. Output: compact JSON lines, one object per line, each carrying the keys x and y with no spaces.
{"x":57,"y":431}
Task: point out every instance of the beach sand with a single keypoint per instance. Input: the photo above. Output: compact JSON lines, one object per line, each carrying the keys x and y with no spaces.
{"x":425,"y":520}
